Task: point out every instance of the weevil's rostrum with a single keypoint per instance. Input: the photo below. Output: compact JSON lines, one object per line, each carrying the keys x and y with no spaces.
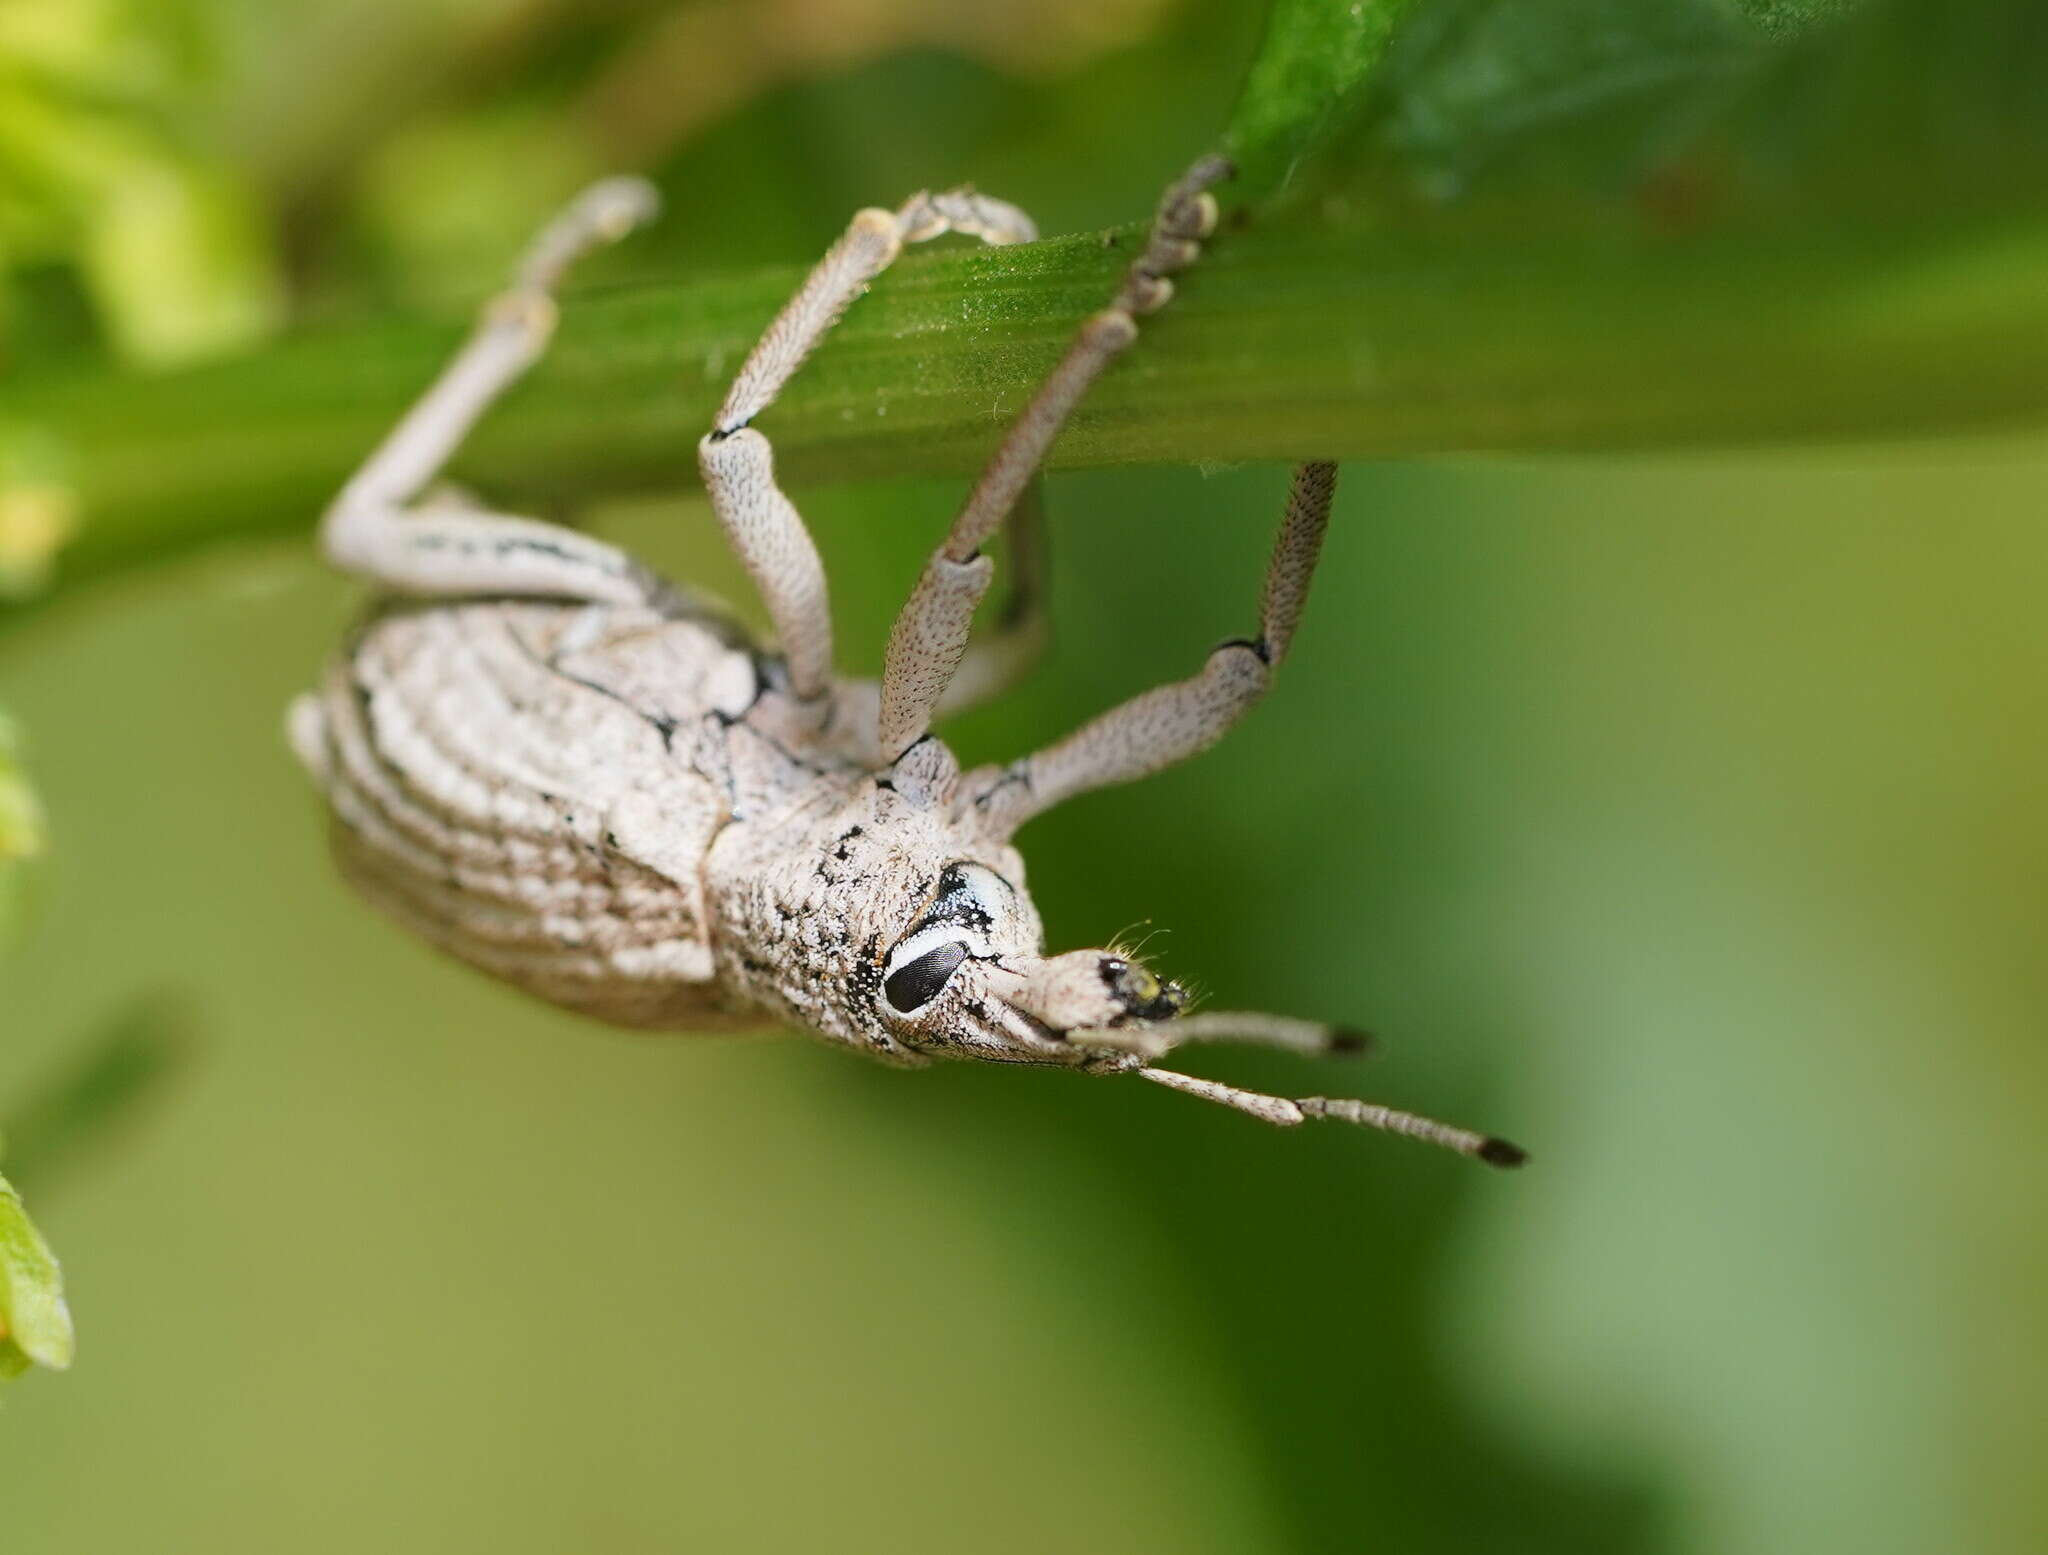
{"x":585,"y":780}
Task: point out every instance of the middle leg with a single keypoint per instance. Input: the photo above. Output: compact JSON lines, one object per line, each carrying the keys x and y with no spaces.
{"x":930,"y":636}
{"x":997,"y":659}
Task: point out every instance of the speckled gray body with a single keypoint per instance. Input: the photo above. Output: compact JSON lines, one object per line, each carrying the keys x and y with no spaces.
{"x":534,"y":786}
{"x":576,"y":777}
{"x":622,"y":810}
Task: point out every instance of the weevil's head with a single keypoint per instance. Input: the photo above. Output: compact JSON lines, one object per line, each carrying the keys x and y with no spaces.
{"x":965,"y":968}
{"x":918,"y":932}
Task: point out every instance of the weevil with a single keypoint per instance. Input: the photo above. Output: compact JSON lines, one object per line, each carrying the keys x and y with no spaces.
{"x":588,"y":781}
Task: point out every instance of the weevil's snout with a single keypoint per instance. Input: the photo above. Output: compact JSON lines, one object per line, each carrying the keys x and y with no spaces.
{"x":1091,"y":989}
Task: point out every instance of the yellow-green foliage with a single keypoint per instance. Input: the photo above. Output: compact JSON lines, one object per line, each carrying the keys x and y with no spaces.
{"x":35,"y":1325}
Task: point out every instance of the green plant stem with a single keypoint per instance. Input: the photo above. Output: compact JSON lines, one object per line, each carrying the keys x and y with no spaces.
{"x":1288,"y":342}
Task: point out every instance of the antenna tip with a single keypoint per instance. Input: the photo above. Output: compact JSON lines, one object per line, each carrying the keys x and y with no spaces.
{"x":1350,"y":1041}
{"x":1498,"y":1152}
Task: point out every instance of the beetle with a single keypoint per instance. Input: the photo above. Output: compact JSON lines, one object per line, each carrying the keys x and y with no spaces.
{"x":589,"y":782}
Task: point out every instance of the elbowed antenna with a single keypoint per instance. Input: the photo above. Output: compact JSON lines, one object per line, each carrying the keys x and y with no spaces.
{"x":1315,"y":1038}
{"x":1288,"y":1112}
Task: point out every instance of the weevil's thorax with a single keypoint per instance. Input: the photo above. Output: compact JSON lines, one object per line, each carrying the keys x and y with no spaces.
{"x":808,"y":905}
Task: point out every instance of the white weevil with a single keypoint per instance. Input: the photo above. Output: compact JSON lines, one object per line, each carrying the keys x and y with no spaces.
{"x":579,"y":778}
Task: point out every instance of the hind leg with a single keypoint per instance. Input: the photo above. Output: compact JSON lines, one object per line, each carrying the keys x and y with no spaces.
{"x":382,"y":527}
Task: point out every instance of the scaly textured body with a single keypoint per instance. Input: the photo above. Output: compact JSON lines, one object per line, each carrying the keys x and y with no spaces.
{"x":491,"y":768}
{"x":575,"y":777}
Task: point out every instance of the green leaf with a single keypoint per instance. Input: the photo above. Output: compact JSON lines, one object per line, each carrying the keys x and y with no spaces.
{"x":1472,"y":82}
{"x":1316,"y":53}
{"x":35,"y":1325}
{"x":1785,"y":16}
{"x":1909,"y":111}
{"x":176,"y":257}
{"x":78,"y":1111}
{"x":1466,"y":72}
{"x":168,"y":241}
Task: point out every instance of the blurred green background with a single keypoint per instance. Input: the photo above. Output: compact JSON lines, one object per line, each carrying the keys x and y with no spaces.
{"x":1679,"y":817}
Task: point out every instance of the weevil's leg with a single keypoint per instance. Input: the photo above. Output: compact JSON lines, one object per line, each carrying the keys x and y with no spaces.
{"x":738,"y":464}
{"x":1288,"y":1112}
{"x":930,"y":635}
{"x":1173,"y":722}
{"x":378,"y":526}
{"x":1315,"y":1038}
{"x":996,"y":659}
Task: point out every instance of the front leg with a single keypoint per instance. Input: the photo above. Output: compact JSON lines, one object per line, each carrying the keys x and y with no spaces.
{"x":1173,"y":722}
{"x":761,"y":523}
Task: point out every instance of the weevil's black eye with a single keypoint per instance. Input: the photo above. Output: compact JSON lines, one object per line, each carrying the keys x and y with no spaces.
{"x":916,"y":983}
